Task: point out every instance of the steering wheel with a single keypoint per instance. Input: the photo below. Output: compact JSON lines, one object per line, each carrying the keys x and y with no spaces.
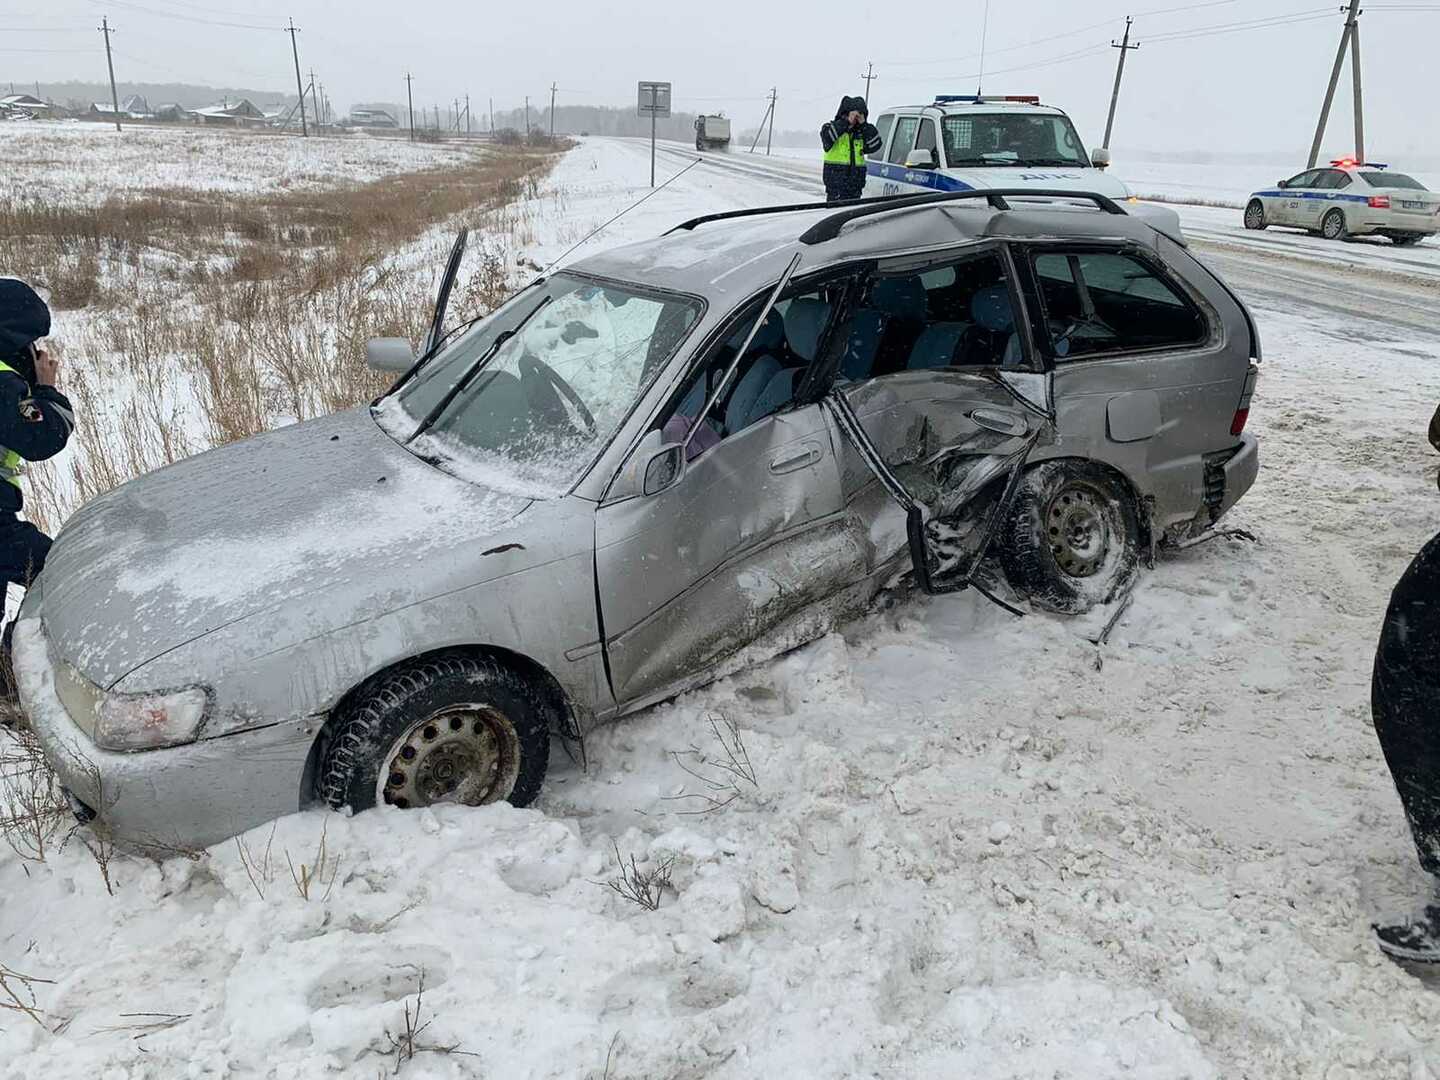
{"x":1083,"y":323}
{"x":563,"y":388}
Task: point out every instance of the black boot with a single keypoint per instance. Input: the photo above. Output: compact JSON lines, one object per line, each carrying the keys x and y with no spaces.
{"x":1416,"y":940}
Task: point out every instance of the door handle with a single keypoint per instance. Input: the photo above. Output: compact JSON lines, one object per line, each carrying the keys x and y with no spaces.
{"x":1006,"y":423}
{"x":795,"y":458}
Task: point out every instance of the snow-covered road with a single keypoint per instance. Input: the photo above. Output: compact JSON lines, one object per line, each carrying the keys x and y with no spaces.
{"x":976,"y":846}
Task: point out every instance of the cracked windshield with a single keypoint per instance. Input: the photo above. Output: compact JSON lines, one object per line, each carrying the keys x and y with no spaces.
{"x":573,"y":357}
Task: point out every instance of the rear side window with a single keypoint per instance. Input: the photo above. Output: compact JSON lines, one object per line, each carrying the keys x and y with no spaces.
{"x":1331,"y":179}
{"x":1392,"y":180}
{"x":1096,"y":303}
{"x":904,"y":139}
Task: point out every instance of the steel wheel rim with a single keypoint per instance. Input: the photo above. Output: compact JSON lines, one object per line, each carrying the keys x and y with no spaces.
{"x":1077,"y":529}
{"x":1254,"y":215}
{"x":1334,"y":225}
{"x":466,"y":754}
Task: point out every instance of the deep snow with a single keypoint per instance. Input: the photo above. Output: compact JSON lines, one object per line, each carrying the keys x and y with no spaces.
{"x":976,"y":846}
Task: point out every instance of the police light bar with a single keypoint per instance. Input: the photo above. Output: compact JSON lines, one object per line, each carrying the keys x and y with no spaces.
{"x":978,"y":99}
{"x":1351,"y":163}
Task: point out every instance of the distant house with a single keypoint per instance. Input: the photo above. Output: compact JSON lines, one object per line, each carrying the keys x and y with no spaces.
{"x":136,"y":107}
{"x":175,"y":113}
{"x":371,"y":118}
{"x":25,"y":105}
{"x":242,"y":113}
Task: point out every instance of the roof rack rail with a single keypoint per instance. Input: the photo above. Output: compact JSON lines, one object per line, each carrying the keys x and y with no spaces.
{"x":788,"y":208}
{"x":830,"y":227}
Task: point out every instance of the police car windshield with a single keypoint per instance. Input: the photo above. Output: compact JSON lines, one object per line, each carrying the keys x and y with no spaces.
{"x":550,"y":390}
{"x":1392,"y":180}
{"x":1008,"y":140}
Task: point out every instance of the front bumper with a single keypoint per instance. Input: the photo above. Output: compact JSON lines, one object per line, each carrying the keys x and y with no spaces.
{"x":179,"y":799}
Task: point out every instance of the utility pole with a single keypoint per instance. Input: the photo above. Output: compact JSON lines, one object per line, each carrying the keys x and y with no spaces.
{"x":767,"y":118}
{"x":774,"y":92}
{"x":552,"y":110}
{"x":869,"y":78}
{"x":104,"y":28}
{"x":1358,"y":90}
{"x":492,"y":117}
{"x":410,"y":101}
{"x":1351,"y":26}
{"x":292,"y":30}
{"x":527,"y":116}
{"x":1125,"y":49}
{"x":467,"y":114}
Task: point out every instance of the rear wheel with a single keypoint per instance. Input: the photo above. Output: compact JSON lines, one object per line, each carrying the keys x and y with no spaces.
{"x":1333,"y":226}
{"x":1407,"y":239}
{"x":1255,"y":215}
{"x":451,"y":728}
{"x":1073,"y":537}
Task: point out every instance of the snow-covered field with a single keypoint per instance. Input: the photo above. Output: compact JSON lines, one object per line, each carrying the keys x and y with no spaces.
{"x":975,"y":846}
{"x":52,"y":163}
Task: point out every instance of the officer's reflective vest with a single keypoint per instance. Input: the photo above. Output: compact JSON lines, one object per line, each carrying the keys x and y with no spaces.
{"x":849,"y":149}
{"x":11,"y":463}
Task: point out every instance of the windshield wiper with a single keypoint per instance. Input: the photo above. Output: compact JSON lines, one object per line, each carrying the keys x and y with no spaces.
{"x":480,"y":361}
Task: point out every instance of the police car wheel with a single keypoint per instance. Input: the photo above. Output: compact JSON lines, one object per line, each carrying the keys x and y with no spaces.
{"x":1255,"y":215}
{"x":1333,"y":227}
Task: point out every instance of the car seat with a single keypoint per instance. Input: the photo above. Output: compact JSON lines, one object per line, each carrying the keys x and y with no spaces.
{"x":992,"y":340}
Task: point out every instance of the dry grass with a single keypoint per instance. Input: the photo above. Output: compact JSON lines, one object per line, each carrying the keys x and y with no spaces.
{"x":33,"y":810}
{"x":226,"y":316}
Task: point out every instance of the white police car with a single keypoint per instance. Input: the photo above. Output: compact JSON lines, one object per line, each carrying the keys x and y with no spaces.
{"x":968,"y":142}
{"x":1350,"y":198}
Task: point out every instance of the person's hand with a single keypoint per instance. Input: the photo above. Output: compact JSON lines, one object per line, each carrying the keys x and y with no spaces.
{"x":855,"y":118}
{"x":47,"y":368}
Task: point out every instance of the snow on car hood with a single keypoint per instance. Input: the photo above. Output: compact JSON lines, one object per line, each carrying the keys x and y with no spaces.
{"x":267,"y":521}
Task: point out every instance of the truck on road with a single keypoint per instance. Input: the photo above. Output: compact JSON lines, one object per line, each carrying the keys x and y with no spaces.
{"x":712,"y":132}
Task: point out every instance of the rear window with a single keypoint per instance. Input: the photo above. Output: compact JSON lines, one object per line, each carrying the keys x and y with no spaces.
{"x":1392,"y":180}
{"x":1108,"y":302}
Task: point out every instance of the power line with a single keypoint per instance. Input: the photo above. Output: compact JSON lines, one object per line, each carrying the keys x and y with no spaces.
{"x":163,"y":14}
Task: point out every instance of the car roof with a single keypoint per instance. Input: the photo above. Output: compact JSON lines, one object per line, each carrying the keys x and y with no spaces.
{"x":959,"y":108}
{"x":733,"y":258}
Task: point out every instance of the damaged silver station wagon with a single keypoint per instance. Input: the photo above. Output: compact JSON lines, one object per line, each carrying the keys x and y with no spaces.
{"x":664,"y":463}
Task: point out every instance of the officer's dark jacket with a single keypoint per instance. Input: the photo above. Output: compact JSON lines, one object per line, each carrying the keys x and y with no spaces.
{"x":35,"y":421}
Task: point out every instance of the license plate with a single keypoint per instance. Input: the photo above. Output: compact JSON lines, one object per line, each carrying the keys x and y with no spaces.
{"x":1411,"y":204}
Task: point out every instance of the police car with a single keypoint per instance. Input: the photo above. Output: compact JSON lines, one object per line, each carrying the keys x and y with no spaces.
{"x":969,"y":142}
{"x":1350,"y":198}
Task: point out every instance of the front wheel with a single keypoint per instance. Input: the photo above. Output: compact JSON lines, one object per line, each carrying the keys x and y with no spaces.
{"x":1333,"y":226}
{"x":1073,"y":537}
{"x":1255,"y":215}
{"x":450,"y":728}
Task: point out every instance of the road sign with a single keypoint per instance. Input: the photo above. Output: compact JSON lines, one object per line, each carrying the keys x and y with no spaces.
{"x":655,"y":99}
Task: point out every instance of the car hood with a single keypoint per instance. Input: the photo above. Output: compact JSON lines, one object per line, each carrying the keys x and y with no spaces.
{"x":268,"y":521}
{"x":1056,"y":179}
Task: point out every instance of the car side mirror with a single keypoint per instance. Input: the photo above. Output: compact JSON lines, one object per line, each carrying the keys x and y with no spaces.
{"x":389,"y":354}
{"x":664,"y":469}
{"x":1100,"y":157}
{"x":1283,"y":184}
{"x":920,"y":159}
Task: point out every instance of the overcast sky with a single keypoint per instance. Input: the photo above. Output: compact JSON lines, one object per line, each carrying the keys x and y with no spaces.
{"x":1248,"y":90}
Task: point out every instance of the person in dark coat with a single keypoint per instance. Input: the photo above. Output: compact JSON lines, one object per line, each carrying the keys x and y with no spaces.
{"x":1405,"y":707}
{"x":846,"y":140}
{"x":36,"y":420}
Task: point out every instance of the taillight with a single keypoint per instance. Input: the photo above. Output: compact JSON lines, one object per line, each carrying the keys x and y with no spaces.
{"x":1242,"y":411}
{"x":1379,"y":202}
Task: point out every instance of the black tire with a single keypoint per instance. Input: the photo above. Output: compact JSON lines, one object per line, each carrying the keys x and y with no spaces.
{"x":1072,"y":539}
{"x":1407,"y":239}
{"x":1333,"y":227}
{"x":406,"y":721}
{"x":1255,"y":215}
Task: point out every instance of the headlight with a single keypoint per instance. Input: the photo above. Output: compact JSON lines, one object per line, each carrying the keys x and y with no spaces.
{"x":150,"y":721}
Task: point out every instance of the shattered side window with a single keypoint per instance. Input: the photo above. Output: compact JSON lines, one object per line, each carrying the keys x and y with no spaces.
{"x":1108,"y":302}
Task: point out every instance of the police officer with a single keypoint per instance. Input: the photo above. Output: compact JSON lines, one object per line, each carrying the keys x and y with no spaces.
{"x":1405,"y":707}
{"x":36,"y":420}
{"x":846,"y":140}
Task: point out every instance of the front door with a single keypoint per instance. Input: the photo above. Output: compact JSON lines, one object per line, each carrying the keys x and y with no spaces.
{"x":744,"y":547}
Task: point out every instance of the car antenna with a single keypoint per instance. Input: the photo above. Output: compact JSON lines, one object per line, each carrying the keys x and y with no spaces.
{"x":601,"y":228}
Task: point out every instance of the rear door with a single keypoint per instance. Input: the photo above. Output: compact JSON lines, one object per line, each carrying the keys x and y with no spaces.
{"x":939,"y":373}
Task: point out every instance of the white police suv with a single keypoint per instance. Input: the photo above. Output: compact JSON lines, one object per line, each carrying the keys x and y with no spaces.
{"x":969,"y":142}
{"x":1350,"y":198}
